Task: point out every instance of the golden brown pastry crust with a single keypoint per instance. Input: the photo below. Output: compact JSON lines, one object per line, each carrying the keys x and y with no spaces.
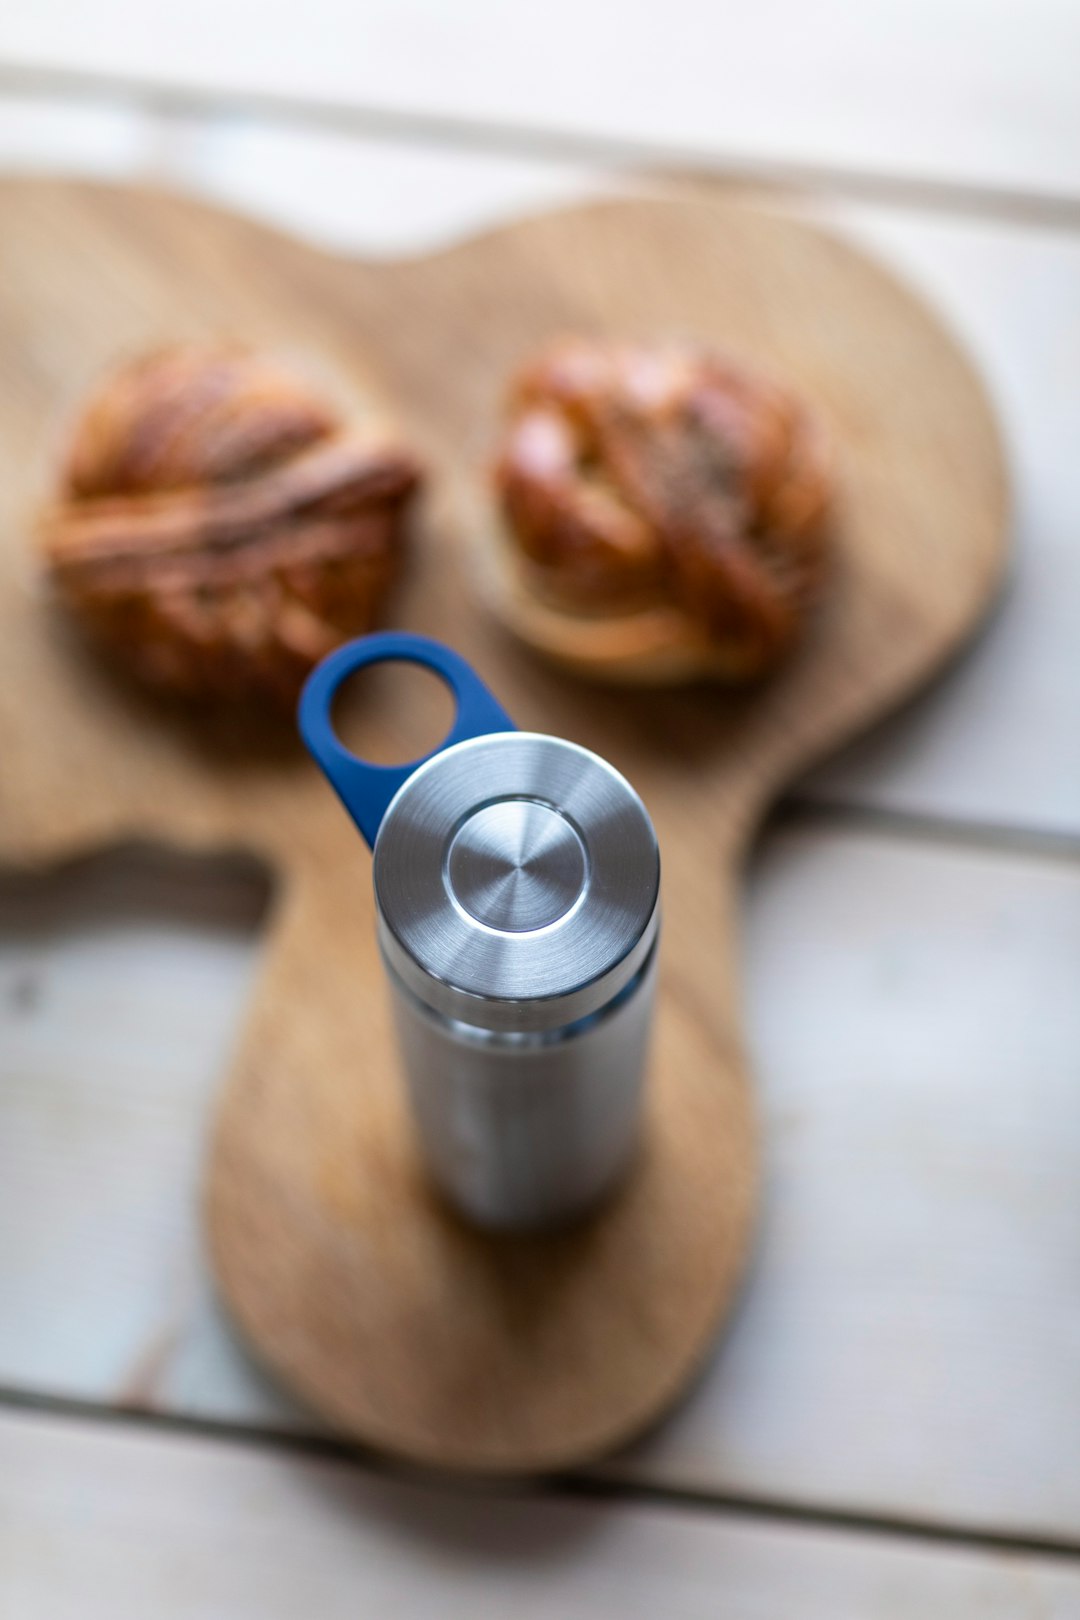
{"x":219,"y":527}
{"x":664,"y":500}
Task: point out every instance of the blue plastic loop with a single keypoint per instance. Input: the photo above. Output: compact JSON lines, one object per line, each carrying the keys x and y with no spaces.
{"x":365,"y":789}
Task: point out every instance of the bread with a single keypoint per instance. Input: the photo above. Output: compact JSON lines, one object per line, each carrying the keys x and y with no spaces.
{"x":664,"y":512}
{"x":219,"y":527}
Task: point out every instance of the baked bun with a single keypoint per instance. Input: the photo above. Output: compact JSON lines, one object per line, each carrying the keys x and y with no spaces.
{"x":219,"y":527}
{"x":664,"y":512}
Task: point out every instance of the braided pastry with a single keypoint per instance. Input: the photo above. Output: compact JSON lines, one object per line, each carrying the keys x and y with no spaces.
{"x":665,"y":512}
{"x":219,"y":527}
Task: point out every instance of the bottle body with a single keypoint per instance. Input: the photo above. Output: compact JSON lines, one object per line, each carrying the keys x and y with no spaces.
{"x":527,"y":1130}
{"x":517,"y":892}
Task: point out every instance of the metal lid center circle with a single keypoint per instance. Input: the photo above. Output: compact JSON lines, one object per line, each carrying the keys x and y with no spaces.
{"x":516,"y":865}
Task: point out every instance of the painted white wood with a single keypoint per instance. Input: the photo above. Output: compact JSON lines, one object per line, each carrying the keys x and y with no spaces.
{"x":381,"y":196}
{"x":41,"y":134}
{"x":120,"y":988}
{"x":908,"y":1338}
{"x":96,"y":1521}
{"x":981,"y":91}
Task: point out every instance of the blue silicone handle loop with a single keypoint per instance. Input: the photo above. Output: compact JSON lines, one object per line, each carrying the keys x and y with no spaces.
{"x":365,"y":789}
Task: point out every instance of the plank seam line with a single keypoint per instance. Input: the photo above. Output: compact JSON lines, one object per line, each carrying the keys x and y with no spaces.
{"x":559,"y":1487}
{"x":897,"y":1526}
{"x":925,"y":827}
{"x":1053,"y":209}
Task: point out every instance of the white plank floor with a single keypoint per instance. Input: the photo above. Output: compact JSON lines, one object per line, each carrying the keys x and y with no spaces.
{"x":120,"y":987}
{"x":973,"y":91}
{"x":121,"y":1525}
{"x":908,"y":1345}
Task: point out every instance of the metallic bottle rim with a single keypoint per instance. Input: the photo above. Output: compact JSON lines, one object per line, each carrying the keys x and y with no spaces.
{"x":517,"y":880}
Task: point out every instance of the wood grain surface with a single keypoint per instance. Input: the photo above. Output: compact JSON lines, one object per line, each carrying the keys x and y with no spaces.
{"x":350,"y":1280}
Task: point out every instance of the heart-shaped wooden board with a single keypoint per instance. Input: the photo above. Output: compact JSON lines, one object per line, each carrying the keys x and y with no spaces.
{"x":350,"y":1280}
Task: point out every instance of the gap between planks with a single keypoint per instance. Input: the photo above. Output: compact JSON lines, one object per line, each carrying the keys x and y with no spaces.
{"x":583,"y":1487}
{"x":677,"y":166}
{"x":923,"y":827}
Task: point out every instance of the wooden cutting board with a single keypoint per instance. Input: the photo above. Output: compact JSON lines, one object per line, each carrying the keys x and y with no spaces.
{"x":347,"y":1276}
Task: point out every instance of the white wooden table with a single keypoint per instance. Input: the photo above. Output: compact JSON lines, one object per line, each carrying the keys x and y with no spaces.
{"x":892,"y":1425}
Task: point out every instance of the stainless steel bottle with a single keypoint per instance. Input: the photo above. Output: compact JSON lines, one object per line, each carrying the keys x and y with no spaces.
{"x":517,"y":889}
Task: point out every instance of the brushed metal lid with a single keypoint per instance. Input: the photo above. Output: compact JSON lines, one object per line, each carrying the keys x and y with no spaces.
{"x":517,"y":879}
